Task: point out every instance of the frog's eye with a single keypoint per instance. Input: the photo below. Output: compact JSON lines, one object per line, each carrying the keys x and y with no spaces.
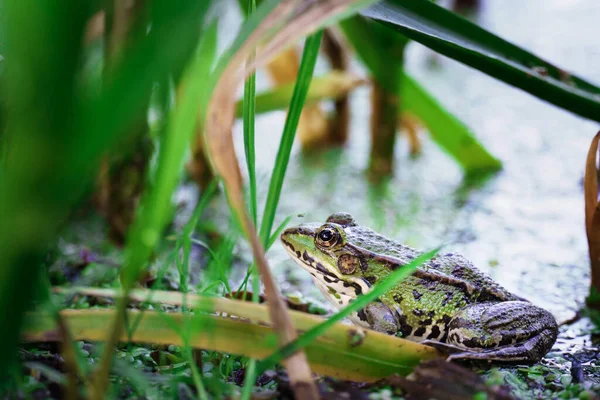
{"x":328,"y":237}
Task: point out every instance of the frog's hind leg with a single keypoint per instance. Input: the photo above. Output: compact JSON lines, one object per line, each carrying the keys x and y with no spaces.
{"x":511,"y":331}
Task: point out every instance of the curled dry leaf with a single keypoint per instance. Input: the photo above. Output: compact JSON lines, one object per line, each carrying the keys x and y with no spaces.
{"x":592,"y":219}
{"x":288,"y":21}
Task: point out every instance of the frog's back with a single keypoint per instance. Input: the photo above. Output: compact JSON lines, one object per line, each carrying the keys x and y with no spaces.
{"x":459,"y":268}
{"x":451,"y":265}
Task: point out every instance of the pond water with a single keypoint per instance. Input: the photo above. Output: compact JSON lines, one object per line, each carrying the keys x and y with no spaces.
{"x":525,"y":226}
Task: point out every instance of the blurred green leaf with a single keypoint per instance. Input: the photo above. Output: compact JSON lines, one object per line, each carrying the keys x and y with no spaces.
{"x":378,"y":48}
{"x":154,"y":207}
{"x":38,"y":87}
{"x":457,"y":38}
{"x":445,"y":129}
{"x":166,"y":49}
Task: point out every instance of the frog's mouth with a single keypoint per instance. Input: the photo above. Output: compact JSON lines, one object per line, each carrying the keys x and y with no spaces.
{"x":299,"y":243}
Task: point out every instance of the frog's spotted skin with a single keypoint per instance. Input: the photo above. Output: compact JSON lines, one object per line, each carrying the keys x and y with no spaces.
{"x":447,"y":302}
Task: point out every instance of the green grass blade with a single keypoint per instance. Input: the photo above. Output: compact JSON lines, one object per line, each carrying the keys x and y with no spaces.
{"x":184,"y":331}
{"x":184,"y":242}
{"x":249,"y":148}
{"x":249,"y":117}
{"x":190,"y":226}
{"x":307,"y":66}
{"x":362,"y":301}
{"x":460,"y":39}
{"x":216,"y":257}
{"x":445,"y":129}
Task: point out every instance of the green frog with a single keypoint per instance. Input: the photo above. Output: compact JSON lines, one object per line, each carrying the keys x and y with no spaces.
{"x":447,"y":303}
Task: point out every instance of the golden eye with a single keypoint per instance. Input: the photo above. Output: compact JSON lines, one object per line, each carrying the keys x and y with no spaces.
{"x":328,"y":237}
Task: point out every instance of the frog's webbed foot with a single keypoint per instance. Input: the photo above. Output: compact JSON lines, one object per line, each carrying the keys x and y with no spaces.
{"x":527,"y":352}
{"x":511,"y":331}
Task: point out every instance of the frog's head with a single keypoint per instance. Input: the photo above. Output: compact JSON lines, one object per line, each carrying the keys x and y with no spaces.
{"x":337,"y":266}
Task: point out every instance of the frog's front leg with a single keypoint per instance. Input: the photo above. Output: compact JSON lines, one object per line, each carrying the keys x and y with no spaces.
{"x":511,"y":331}
{"x":379,"y":317}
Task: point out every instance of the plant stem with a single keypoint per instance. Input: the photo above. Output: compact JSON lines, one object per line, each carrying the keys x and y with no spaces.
{"x":337,"y":52}
{"x":384,"y":120}
{"x":249,"y":147}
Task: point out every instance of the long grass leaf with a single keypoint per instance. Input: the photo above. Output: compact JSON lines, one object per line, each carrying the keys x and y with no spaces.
{"x":377,"y":356}
{"x":186,"y":247}
{"x":373,"y":46}
{"x":216,"y":258}
{"x":249,"y":147}
{"x":460,"y":39}
{"x":249,"y":117}
{"x":305,"y":72}
{"x":184,"y":242}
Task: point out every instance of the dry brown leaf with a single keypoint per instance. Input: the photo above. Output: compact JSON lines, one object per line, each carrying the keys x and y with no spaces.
{"x":286,"y":23}
{"x":590,"y":183}
{"x":592,"y":212}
